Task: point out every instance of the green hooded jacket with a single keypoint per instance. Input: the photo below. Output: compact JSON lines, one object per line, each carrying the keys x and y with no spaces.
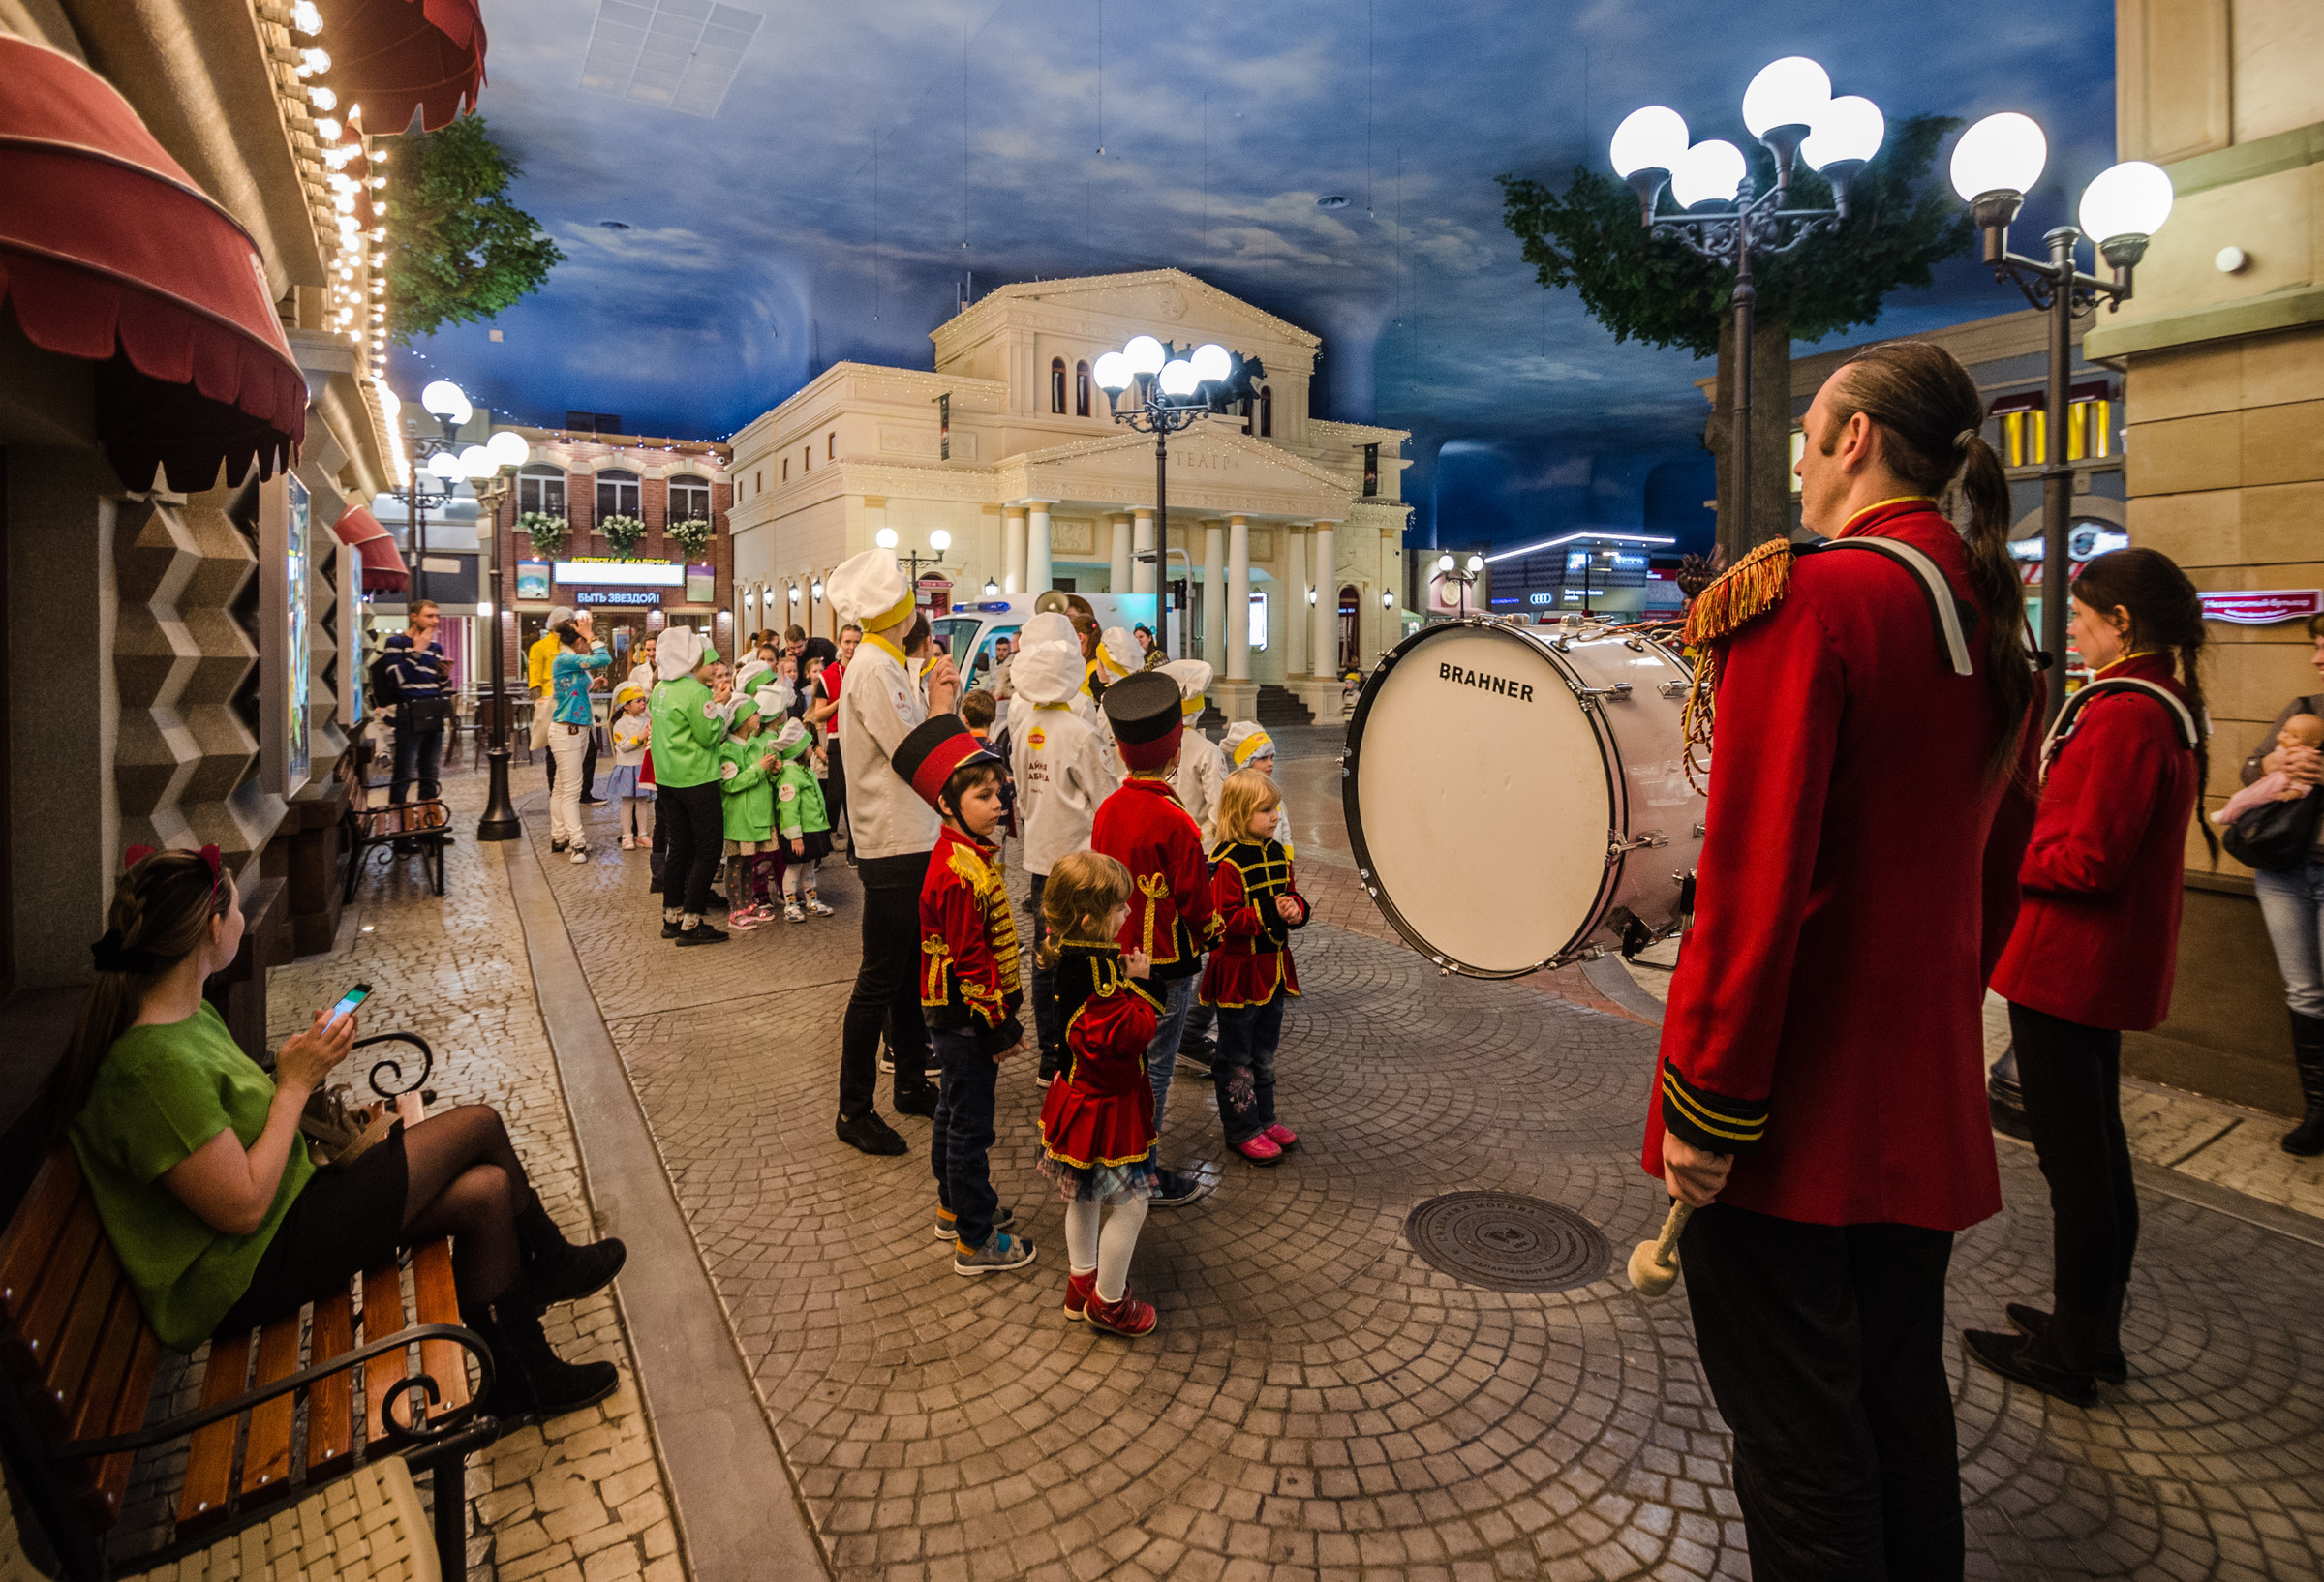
{"x":746,"y":791}
{"x":687,"y":727}
{"x":798,"y":800}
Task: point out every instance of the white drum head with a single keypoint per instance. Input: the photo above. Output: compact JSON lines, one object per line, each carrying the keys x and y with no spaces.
{"x":1480,"y":799}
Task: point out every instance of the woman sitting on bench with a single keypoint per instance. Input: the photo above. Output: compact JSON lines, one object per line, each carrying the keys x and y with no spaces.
{"x":220,"y":1217}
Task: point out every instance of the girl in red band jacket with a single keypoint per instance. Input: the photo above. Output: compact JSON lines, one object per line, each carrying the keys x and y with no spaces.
{"x":1251,"y":975}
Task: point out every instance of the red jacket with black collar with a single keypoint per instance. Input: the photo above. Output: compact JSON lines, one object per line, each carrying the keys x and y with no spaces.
{"x":1856,"y":884}
{"x":1173,"y":917}
{"x":2097,"y":939}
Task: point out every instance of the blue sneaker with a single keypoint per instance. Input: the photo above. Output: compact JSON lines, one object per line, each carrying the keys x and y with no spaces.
{"x":948,"y":1223}
{"x":1002,"y":1251}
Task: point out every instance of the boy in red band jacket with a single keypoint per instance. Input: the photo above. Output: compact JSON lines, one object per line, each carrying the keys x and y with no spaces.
{"x":970,"y":985}
{"x":1172,"y":919}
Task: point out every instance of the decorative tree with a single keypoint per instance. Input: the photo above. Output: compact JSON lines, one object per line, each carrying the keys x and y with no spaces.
{"x":622,"y":532}
{"x":1900,"y":224}
{"x":692,"y":536}
{"x":548,"y":533}
{"x":461,"y":251}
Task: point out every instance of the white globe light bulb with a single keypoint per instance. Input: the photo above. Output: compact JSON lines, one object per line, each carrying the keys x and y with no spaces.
{"x":1789,"y":92}
{"x":1443,"y":563}
{"x":2003,"y":153}
{"x":1475,"y":565}
{"x":1113,"y":374}
{"x":1177,"y":377}
{"x":1850,"y":127}
{"x":1144,"y":355}
{"x":794,"y":593}
{"x":510,"y":448}
{"x":444,"y":464}
{"x":939,"y":540}
{"x":2129,"y":199}
{"x":885,"y":537}
{"x":1653,"y":139}
{"x":443,"y":398}
{"x":1709,"y":173}
{"x":1211,"y":362}
{"x":476,"y":461}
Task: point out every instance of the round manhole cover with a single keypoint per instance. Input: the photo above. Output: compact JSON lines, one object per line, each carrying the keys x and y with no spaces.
{"x":1503,"y":1241}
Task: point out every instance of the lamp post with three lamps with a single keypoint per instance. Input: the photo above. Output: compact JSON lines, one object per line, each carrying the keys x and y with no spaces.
{"x":1790,"y":108}
{"x":1994,"y":164}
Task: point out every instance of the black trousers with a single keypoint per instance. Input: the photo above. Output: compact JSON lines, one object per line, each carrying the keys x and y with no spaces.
{"x":697,"y":826}
{"x":834,"y":790}
{"x":887,"y":984}
{"x":589,"y":768}
{"x":1824,"y":1348}
{"x":1047,"y":1032}
{"x":2071,"y":1078}
{"x":960,"y":1148}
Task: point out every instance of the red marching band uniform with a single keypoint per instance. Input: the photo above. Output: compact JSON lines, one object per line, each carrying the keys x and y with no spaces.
{"x":1252,"y":958}
{"x":1099,"y":1113}
{"x":1824,"y":1024}
{"x":968,"y":969}
{"x":1173,"y":917}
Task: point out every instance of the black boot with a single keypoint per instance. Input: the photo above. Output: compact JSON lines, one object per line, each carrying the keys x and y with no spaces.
{"x":2107,"y":1360}
{"x":555,"y":1269}
{"x":2307,"y":1140}
{"x":2057,"y":1361}
{"x":531,"y":1381}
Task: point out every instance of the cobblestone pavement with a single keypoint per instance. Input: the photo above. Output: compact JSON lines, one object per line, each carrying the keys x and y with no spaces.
{"x":1319,"y":1402}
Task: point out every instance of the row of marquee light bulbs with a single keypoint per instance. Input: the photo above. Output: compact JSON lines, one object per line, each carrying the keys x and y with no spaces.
{"x":362,"y":320}
{"x":1789,"y":105}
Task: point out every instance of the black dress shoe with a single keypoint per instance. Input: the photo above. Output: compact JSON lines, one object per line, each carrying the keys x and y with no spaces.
{"x":867,"y":1132}
{"x":2029,"y":1362}
{"x":919,"y":1101}
{"x":592,"y":802}
{"x":703,"y":933}
{"x":2111,"y":1366}
{"x":669,"y":930}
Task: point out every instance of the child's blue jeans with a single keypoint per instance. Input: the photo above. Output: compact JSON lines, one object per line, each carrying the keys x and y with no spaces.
{"x":962,"y":1143}
{"x":1244,"y":1070}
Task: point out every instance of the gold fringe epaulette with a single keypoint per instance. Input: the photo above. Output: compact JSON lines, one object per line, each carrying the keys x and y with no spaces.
{"x":1750,"y":588}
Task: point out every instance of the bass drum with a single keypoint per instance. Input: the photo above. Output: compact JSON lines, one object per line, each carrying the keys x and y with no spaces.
{"x":1517,"y":798}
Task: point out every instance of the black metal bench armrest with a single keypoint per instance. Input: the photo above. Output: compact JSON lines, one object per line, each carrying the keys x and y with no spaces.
{"x":394,"y":1068}
{"x":414,"y":1433}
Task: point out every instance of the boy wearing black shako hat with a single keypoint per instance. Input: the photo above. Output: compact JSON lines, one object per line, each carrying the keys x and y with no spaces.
{"x":969,"y":984}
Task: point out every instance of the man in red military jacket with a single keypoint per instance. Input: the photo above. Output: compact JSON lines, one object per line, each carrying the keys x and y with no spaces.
{"x":1820,"y":1086}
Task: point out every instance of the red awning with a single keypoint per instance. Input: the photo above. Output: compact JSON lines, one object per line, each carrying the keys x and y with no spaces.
{"x":383,"y":570}
{"x":396,"y":56}
{"x":108,"y":250}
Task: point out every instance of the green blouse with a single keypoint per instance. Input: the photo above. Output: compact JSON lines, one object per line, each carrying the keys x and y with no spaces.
{"x":160,"y":1092}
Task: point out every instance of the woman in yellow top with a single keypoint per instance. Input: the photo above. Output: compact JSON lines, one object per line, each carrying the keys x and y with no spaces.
{"x":219,"y":1215}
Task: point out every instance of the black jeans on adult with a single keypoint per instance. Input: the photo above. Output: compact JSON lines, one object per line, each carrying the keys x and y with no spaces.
{"x":697,"y":826}
{"x":961,"y":1151}
{"x":834,"y":790}
{"x":416,"y":756}
{"x":2071,"y":1078}
{"x":1824,"y":1348}
{"x":589,"y":770}
{"x":887,"y":986}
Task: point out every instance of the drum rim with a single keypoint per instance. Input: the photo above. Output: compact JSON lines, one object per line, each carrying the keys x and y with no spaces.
{"x":1610,"y":754}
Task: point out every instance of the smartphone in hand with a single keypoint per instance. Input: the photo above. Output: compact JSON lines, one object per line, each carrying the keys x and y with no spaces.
{"x":347,"y":1005}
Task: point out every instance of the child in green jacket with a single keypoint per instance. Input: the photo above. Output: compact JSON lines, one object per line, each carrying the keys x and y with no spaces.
{"x":747,"y":786}
{"x":802,"y":823}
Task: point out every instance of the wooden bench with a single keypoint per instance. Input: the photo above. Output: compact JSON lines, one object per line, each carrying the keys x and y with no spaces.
{"x":426,"y":825}
{"x":77,"y":1370}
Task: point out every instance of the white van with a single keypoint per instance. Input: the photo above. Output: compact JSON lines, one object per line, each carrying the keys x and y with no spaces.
{"x":967,"y":631}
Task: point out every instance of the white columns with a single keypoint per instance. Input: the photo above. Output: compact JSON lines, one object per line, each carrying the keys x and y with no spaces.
{"x":1297,"y":623}
{"x":1011,"y":549}
{"x":1214,"y":597}
{"x":1036,"y":546}
{"x":1120,"y":581}
{"x":1143,"y":572}
{"x":1238,"y":598}
{"x":1324,"y":660}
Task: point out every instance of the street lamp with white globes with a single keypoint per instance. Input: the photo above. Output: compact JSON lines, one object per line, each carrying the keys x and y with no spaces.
{"x":1463,"y":573}
{"x":1167,"y":390}
{"x":1790,"y":108}
{"x":1994,"y":164}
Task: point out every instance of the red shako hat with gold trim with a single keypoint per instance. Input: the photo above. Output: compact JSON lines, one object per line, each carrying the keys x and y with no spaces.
{"x":933,"y":752}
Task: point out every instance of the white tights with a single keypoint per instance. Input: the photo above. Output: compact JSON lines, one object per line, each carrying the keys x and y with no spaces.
{"x":637,"y":817}
{"x":1109,"y":1251}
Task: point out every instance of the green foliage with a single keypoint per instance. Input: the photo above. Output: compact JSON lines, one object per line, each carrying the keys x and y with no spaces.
{"x":548,"y":533}
{"x":622,"y":532}
{"x":459,"y":251}
{"x":691,"y":536}
{"x":1900,"y":224}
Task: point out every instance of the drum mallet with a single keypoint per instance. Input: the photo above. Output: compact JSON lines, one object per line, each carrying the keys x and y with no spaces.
{"x":1653,"y":1264}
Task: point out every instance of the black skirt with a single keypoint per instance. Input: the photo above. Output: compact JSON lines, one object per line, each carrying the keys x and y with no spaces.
{"x":817,"y":844}
{"x":346,"y":1219}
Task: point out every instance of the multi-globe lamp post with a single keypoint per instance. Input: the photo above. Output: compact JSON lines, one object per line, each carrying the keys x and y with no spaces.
{"x":1168,"y":391}
{"x":1790,"y":108}
{"x":1994,"y":164}
{"x":1464,"y":574}
{"x":938,"y":541}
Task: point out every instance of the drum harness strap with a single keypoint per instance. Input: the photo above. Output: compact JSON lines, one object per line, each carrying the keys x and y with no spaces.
{"x":1945,"y":610}
{"x":2069,"y":718}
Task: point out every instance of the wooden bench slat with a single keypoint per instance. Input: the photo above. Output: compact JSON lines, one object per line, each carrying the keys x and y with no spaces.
{"x":438,"y":1301}
{"x":34,"y":1334}
{"x":208,"y":1490}
{"x":128,"y":1354}
{"x":84,"y":1325}
{"x":266,"y":1453}
{"x":382,"y":1315}
{"x":31,"y":1235}
{"x":331,"y":1402}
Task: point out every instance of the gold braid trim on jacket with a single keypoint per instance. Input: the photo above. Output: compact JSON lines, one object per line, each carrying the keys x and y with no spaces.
{"x":1746,"y":591}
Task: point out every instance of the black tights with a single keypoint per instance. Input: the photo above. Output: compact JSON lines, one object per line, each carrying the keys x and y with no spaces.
{"x":465,"y":1181}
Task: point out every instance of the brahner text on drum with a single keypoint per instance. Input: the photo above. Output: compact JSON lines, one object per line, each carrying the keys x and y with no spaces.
{"x":1486,"y":680}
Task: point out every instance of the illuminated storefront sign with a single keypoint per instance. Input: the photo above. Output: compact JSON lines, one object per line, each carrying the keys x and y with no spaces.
{"x":2263,"y":607}
{"x":630,"y":598}
{"x":610,"y":573}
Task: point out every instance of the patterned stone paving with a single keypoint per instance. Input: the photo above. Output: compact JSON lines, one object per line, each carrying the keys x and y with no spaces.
{"x":1318,"y":1402}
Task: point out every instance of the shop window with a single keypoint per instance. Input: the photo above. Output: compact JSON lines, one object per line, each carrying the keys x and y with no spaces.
{"x":690,"y":498}
{"x":618,"y":495}
{"x":2025,"y":430}
{"x":1056,"y":386}
{"x":1267,"y":411}
{"x":541,"y":489}
{"x":1081,"y":389}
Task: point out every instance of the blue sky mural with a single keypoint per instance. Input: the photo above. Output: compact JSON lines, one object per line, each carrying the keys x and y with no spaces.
{"x":867,"y":160}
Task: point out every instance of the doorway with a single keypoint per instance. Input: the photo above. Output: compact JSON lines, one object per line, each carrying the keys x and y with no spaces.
{"x":1351,"y":641}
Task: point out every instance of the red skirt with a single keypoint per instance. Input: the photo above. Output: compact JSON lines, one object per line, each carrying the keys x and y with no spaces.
{"x":1087,"y":1130}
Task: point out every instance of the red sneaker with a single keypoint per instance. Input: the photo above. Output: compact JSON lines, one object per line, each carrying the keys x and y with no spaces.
{"x":1260,"y":1151}
{"x":1127,"y":1317}
{"x":1078,"y":1289}
{"x":1282,"y":1136}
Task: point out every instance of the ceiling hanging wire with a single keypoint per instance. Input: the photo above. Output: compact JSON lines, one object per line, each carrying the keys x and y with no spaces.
{"x":964,"y":138}
{"x":1101,"y":76}
{"x":876,"y":224}
{"x":1367,"y":109}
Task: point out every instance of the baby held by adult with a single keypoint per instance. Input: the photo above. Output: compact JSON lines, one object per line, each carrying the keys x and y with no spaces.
{"x":2299,"y":731}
